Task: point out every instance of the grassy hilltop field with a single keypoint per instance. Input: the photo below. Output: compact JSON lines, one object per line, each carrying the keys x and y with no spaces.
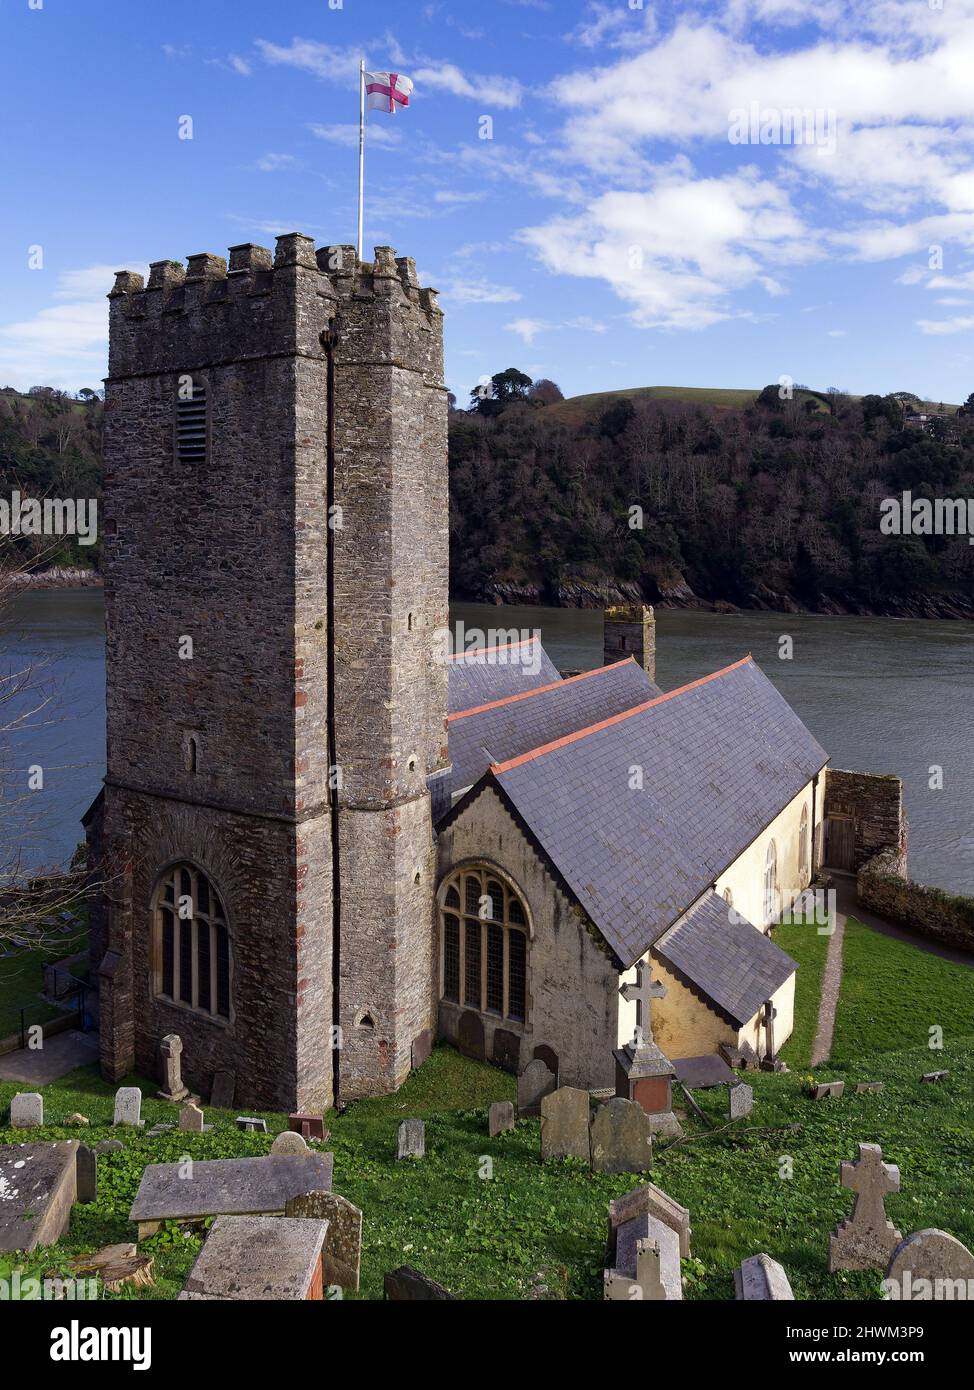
{"x":489,"y":1221}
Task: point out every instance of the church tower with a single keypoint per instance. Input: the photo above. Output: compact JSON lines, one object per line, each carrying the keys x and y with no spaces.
{"x":275,"y":574}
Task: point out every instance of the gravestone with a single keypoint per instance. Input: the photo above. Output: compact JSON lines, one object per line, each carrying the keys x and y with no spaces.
{"x":564,"y":1124}
{"x":259,"y":1257}
{"x":26,"y":1110}
{"x":290,"y":1142}
{"x":171,"y":1058}
{"x":406,"y":1284}
{"x":761,"y":1278}
{"x":191,"y":1118}
{"x":87,"y":1163}
{"x":621,"y":1138}
{"x":412,"y":1139}
{"x":535,"y":1082}
{"x":935,"y":1076}
{"x":342,"y":1255}
{"x":421,"y":1049}
{"x":470,"y":1036}
{"x":740,"y":1101}
{"x":828,"y":1090}
{"x":935,"y":1257}
{"x":653,"y":1201}
{"x":38,"y":1186}
{"x":128,"y":1107}
{"x":307,"y":1125}
{"x":500,"y":1118}
{"x":866,"y":1239}
{"x":864,"y":1088}
{"x":222,"y":1090}
{"x":647,"y":1263}
{"x":507,"y":1050}
{"x":252,"y":1124}
{"x":107,"y":1146}
{"x":77,"y":1119}
{"x":226,"y":1187}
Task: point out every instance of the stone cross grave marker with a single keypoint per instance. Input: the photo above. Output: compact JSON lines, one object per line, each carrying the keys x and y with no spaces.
{"x":643,"y":992}
{"x":171,"y":1054}
{"x":128,"y":1106}
{"x":866,"y":1239}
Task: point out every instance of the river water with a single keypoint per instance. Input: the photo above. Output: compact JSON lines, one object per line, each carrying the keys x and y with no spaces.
{"x":880,"y":694}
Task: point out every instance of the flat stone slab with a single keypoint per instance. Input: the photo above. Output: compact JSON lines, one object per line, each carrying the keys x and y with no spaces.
{"x":63,"y":1053}
{"x":702,"y":1073}
{"x":935,"y":1257}
{"x":259,"y":1257}
{"x":761,"y":1278}
{"x":227,"y":1187}
{"x":38,"y":1186}
{"x":935,"y":1076}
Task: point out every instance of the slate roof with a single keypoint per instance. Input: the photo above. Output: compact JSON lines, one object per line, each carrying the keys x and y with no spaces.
{"x":506,"y":728}
{"x":719,"y":954}
{"x":719,"y":759}
{"x":492,"y":673}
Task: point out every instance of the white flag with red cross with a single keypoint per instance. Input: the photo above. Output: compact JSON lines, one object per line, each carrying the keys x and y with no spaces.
{"x":387,"y":91}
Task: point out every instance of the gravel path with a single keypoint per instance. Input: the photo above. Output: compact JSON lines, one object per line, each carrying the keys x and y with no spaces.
{"x":831,"y":985}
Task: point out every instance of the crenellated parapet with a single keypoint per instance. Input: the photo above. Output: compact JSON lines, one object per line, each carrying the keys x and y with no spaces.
{"x":258,"y":303}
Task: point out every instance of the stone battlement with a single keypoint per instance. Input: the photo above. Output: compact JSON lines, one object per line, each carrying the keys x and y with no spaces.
{"x":259,"y":303}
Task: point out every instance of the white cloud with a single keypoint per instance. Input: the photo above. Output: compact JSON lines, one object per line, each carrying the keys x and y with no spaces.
{"x":320,"y":59}
{"x":271,"y":163}
{"x":491,"y":91}
{"x":615,"y":25}
{"x":340,"y":134}
{"x":453,"y":198}
{"x":943,"y":326}
{"x":240,"y":65}
{"x":467,"y":291}
{"x":527,"y":329}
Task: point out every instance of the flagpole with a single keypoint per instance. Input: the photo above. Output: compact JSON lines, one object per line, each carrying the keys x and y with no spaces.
{"x":361,"y":157}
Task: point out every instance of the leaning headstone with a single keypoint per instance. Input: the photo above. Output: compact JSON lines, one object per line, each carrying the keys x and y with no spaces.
{"x":171,"y":1057}
{"x":412,"y":1139}
{"x":342,"y":1255}
{"x":221,"y":1092}
{"x":535,"y":1082}
{"x":128,"y":1106}
{"x":621,"y":1137}
{"x":762,"y":1278}
{"x":38,"y":1186}
{"x":407,"y":1284}
{"x":470,"y":1036}
{"x":740,"y":1101}
{"x":653,"y":1201}
{"x":565,"y":1124}
{"x":647,"y":1263}
{"x":259,"y":1257}
{"x":421,"y":1049}
{"x":501,"y":1117}
{"x":935,"y":1076}
{"x":252,"y":1123}
{"x":26,"y":1110}
{"x":191,"y":1118}
{"x":290,"y":1142}
{"x":866,"y":1239}
{"x":87,"y":1161}
{"x":939,"y":1259}
{"x":828,"y":1090}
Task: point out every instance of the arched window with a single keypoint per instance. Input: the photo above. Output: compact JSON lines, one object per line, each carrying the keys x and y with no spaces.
{"x":771,"y":884}
{"x":191,"y":946}
{"x":484,"y":934}
{"x":803,"y":857}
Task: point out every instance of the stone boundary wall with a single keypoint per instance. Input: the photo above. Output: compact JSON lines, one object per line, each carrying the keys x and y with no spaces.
{"x":882,"y":886}
{"x":875,"y":803}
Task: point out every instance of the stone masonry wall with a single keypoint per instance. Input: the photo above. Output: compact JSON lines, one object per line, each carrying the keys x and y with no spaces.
{"x":630,"y":631}
{"x":875,"y":802}
{"x":882,"y":887}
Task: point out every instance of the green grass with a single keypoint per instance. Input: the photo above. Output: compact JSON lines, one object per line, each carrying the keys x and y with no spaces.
{"x":806,"y":946}
{"x":893,"y":995}
{"x":531,"y":1226}
{"x":21,"y":982}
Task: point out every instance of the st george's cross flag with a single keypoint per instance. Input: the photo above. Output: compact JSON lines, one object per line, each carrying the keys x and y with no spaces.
{"x":387,"y":90}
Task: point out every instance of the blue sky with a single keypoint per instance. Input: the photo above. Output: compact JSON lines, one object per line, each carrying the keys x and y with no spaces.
{"x":617,"y":229}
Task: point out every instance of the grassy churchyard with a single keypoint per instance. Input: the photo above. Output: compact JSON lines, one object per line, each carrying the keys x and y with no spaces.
{"x":488,"y":1220}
